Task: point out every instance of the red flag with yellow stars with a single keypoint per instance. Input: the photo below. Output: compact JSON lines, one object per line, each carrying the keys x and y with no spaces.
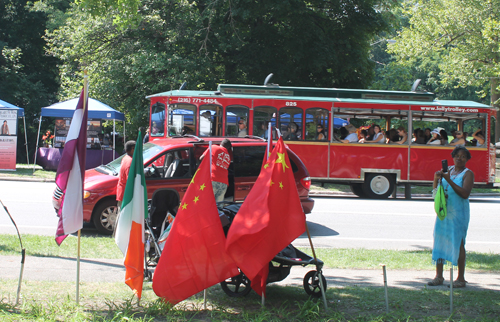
{"x":270,"y":218}
{"x":194,"y":257}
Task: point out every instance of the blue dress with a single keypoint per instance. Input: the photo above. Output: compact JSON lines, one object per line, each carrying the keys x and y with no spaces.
{"x":449,"y":232}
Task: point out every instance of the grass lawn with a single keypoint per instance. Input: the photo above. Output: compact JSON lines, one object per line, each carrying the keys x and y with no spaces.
{"x":25,"y":171}
{"x":55,"y":301}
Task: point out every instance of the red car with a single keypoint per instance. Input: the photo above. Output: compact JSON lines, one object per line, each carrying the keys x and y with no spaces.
{"x":169,"y":165}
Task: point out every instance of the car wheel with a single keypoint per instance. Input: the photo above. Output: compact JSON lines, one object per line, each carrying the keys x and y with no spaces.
{"x":357,"y":189}
{"x":311,"y":283}
{"x":105,"y":216}
{"x":378,"y":186}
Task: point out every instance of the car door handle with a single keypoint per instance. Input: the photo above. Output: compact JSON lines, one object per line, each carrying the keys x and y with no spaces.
{"x":241,"y":188}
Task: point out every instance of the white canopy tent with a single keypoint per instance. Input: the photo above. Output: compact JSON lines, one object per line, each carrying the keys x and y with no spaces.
{"x":20,"y":113}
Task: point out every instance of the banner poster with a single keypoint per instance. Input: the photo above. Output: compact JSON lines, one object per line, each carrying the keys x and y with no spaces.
{"x":61,"y":131}
{"x":8,"y":139}
{"x":94,"y":131}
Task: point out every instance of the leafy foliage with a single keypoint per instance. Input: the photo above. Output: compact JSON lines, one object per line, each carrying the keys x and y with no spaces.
{"x":454,"y":41}
{"x":29,"y":77}
{"x":207,"y":42}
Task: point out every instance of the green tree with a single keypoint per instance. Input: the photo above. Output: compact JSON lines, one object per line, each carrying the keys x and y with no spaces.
{"x":29,"y":77}
{"x":209,"y":42}
{"x":459,"y":38}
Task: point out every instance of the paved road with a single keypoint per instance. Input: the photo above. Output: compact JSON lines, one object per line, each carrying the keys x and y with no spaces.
{"x":350,"y":222}
{"x":339,"y":222}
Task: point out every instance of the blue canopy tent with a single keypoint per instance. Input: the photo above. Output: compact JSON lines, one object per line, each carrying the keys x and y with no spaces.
{"x":20,"y":113}
{"x":97,"y":110}
{"x":4,"y":104}
{"x":338,"y":123}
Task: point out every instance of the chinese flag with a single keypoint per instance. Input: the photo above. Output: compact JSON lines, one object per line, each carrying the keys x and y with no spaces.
{"x":194,"y":257}
{"x":270,"y":218}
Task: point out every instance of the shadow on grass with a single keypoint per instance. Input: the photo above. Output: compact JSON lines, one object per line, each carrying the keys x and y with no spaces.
{"x":115,"y":302}
{"x":481,"y":261}
{"x":363,"y":304}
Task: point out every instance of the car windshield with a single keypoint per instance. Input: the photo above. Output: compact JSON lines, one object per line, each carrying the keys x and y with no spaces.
{"x":113,"y":168}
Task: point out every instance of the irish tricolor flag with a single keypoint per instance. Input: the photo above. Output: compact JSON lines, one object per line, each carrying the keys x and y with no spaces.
{"x":129,"y":234}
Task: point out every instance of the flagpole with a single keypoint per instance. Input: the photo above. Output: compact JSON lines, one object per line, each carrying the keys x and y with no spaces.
{"x":320,"y":275}
{"x":85,"y":95}
{"x":268,"y":152}
{"x":210,"y":153}
{"x":269,"y":140}
{"x":78,"y":270}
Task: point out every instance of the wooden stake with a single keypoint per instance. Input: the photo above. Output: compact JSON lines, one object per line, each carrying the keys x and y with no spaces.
{"x":385,"y":289}
{"x":451,"y":290}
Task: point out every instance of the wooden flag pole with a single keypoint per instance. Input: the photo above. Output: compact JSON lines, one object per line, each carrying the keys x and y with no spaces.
{"x":385,"y":288}
{"x":78,"y":270}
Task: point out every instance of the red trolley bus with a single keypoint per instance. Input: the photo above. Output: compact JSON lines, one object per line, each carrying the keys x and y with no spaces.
{"x":373,"y":169}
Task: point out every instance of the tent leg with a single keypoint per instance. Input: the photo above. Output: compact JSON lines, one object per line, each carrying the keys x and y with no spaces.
{"x":114,"y":137}
{"x":124,"y":139}
{"x":26,"y":141}
{"x":36,"y":149}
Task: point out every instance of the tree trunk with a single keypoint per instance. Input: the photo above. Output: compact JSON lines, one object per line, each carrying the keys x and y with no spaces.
{"x":495,"y":95}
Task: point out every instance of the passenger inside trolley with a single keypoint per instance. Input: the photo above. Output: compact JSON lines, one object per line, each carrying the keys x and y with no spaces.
{"x":242,"y":127}
{"x":321,"y":135}
{"x":444,"y":137}
{"x":392,"y":136}
{"x":378,"y":136}
{"x":435,"y":138}
{"x":291,"y":134}
{"x":352,"y":137}
{"x":459,"y":139}
{"x":479,"y":137}
{"x":403,"y":136}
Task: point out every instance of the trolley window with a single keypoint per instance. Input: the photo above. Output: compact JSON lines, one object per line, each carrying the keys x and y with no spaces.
{"x":210,"y":120}
{"x":235,"y":113}
{"x":181,"y":119}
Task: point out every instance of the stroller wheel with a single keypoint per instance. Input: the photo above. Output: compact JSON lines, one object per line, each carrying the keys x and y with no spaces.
{"x":311,"y":283}
{"x":237,"y":286}
{"x":148,"y":276}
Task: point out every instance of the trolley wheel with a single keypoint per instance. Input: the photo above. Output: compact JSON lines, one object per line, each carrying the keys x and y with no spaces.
{"x":357,"y":189}
{"x":237,"y":286}
{"x":378,"y":186}
{"x":311,"y":283}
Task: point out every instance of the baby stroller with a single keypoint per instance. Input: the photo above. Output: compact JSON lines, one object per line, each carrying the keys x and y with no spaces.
{"x":279,"y":267}
{"x":156,"y":229}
